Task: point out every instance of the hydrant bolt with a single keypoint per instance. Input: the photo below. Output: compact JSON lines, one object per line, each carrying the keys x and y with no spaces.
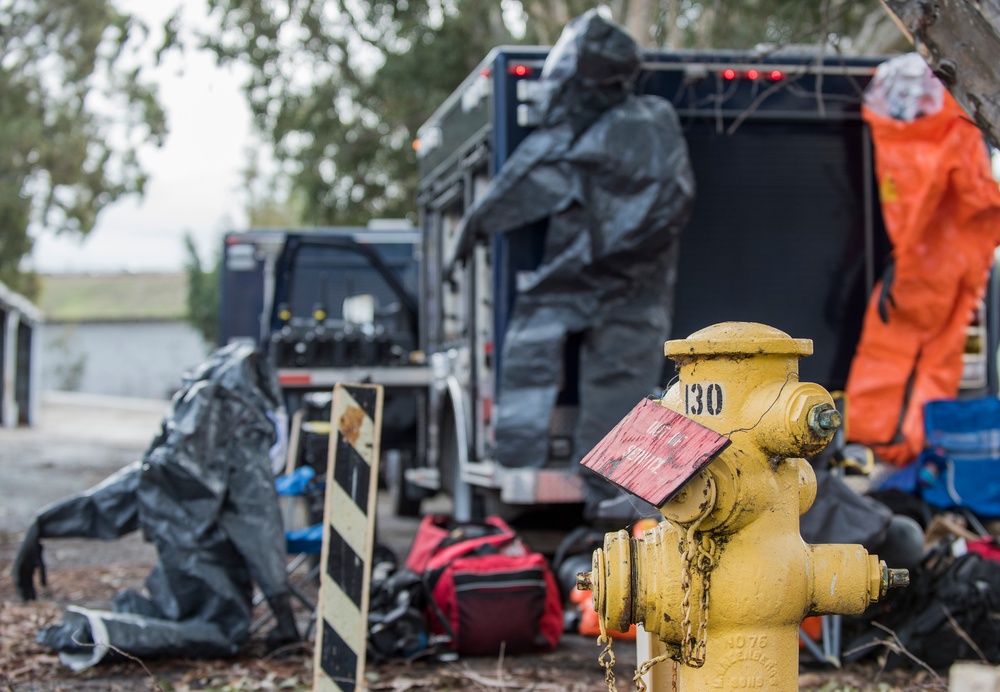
{"x":894,"y":578}
{"x":583,"y":581}
{"x":824,"y":419}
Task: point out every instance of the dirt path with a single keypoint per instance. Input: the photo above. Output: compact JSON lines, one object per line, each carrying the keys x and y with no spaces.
{"x":80,"y":441}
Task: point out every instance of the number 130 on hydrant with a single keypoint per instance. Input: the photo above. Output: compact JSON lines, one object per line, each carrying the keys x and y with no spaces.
{"x":725,"y":580}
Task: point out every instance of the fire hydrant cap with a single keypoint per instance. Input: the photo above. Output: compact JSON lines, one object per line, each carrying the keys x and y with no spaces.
{"x":738,"y":338}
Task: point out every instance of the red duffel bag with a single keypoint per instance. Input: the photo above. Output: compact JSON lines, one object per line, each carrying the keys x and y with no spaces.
{"x":487,"y":590}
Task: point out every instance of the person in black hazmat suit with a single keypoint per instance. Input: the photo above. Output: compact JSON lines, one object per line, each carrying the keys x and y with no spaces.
{"x":204,"y":495}
{"x":607,"y":176}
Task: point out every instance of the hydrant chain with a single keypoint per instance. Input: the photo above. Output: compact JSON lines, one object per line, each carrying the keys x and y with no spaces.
{"x":708,"y":564}
{"x":701,"y":547}
{"x":607,"y":661}
{"x":706,"y":552}
{"x":607,"y":657}
{"x":640,"y":684}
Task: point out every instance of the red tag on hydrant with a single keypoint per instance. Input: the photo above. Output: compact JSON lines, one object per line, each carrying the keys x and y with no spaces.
{"x":654,"y":451}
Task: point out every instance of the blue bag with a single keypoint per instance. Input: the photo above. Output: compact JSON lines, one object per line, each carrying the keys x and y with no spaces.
{"x":960,"y":466}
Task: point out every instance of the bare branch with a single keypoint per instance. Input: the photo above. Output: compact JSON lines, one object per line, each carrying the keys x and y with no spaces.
{"x":964,"y":635}
{"x":153,"y":682}
{"x":897,"y":646}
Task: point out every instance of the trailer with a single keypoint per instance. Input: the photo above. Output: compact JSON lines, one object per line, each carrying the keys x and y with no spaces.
{"x":786,"y":231}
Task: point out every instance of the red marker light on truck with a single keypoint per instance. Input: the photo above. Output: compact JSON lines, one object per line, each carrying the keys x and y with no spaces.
{"x":753,"y":74}
{"x":776,"y":75}
{"x":729,"y":74}
{"x":293,"y":379}
{"x":519,"y":70}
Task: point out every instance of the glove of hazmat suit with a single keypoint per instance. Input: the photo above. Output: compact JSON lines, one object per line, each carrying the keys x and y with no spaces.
{"x":204,"y":495}
{"x":606,"y":178}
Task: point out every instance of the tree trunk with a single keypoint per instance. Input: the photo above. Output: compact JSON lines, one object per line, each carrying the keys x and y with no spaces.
{"x":640,"y":17}
{"x":548,"y":18}
{"x":960,"y":40}
{"x":671,"y":31}
{"x":880,"y":35}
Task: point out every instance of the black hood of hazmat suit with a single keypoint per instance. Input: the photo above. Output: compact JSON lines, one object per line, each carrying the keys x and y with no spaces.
{"x":606,"y":178}
{"x":204,"y":495}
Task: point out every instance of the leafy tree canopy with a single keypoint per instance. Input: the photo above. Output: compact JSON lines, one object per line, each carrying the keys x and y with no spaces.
{"x":341,"y":86}
{"x":73,"y":110}
{"x":853,"y":26}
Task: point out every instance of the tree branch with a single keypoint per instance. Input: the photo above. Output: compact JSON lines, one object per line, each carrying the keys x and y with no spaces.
{"x":960,"y":40}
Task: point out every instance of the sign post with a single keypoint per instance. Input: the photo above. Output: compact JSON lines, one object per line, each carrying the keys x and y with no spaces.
{"x":348,"y":537}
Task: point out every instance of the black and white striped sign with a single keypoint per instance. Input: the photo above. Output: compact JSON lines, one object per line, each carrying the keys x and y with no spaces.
{"x":349,"y":521}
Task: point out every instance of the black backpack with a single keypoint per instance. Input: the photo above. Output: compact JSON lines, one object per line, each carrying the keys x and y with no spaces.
{"x":950,"y":612}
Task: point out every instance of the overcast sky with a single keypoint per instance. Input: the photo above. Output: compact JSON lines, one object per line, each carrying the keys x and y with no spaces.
{"x":194,"y":184}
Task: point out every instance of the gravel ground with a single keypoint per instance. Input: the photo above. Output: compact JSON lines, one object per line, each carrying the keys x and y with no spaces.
{"x":79,"y":440}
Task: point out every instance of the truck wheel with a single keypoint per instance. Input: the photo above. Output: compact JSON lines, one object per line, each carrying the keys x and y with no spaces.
{"x":403,"y":498}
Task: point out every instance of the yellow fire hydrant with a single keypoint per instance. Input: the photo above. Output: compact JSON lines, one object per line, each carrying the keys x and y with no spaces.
{"x":726,"y":580}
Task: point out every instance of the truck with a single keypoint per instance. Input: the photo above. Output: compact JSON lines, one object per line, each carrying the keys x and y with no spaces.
{"x":329,"y":305}
{"x":786,"y":231}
